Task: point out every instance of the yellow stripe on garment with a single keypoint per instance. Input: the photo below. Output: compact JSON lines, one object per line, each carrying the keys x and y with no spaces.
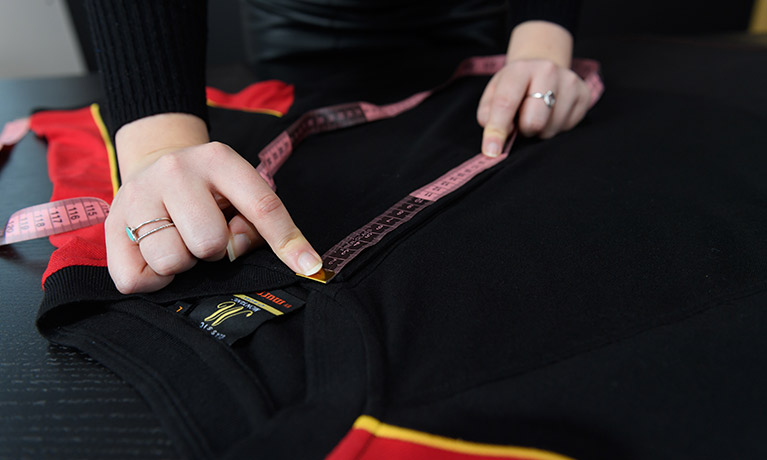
{"x":758,"y":17}
{"x":383,"y":430}
{"x":115,"y":175}
{"x":276,"y":113}
{"x":259,"y":304}
{"x":96,"y":113}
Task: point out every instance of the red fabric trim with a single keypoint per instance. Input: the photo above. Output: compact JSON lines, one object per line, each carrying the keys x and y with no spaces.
{"x":78,"y":165}
{"x":352,"y":446}
{"x":266,"y":96}
{"x":360,"y":444}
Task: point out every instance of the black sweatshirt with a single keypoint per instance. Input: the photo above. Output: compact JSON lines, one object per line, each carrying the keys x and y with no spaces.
{"x":600,"y":294}
{"x":151,"y":54}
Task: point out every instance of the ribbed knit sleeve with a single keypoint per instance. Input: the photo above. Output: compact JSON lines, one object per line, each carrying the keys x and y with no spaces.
{"x":562,"y":12}
{"x":151,"y":56}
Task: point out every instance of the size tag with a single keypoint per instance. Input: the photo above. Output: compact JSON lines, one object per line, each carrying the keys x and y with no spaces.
{"x":231,"y":317}
{"x":55,"y":217}
{"x":181,"y":307}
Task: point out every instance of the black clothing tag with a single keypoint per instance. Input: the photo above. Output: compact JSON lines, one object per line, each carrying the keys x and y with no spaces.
{"x":232,"y":317}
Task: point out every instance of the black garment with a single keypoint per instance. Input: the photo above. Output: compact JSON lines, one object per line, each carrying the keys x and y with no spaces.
{"x":299,"y":29}
{"x":532,"y":307}
{"x":151,"y":53}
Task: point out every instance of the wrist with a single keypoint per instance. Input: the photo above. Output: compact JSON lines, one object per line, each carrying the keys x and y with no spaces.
{"x":140,"y":142}
{"x":541,"y":40}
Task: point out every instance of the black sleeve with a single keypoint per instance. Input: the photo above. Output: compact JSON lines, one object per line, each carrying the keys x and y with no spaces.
{"x":562,"y":12}
{"x":151,"y":56}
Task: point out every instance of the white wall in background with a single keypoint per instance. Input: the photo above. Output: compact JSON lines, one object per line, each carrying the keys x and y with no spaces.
{"x":37,"y":39}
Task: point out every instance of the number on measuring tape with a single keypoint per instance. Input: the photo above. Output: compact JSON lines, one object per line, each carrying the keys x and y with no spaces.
{"x":345,"y":115}
{"x":55,"y":217}
{"x":61,"y":216}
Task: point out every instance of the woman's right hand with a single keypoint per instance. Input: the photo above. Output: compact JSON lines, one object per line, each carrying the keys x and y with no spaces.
{"x":193,"y":183}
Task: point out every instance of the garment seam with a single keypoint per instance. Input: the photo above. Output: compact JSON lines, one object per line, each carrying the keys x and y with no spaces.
{"x":146,"y":376}
{"x":255,"y":380}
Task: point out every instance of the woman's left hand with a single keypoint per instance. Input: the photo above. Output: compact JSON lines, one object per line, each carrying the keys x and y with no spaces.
{"x":535,"y":92}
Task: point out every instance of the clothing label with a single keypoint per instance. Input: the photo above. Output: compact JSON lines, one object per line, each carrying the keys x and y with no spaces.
{"x":231,"y":317}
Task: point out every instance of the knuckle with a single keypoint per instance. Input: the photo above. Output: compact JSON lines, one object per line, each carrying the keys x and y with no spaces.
{"x":573,"y":120}
{"x":169,"y":264}
{"x":283,"y":244}
{"x":482,"y":114}
{"x":216,"y":146}
{"x":494,"y":131}
{"x":548,"y":67}
{"x":208,"y":247}
{"x":266,"y":206}
{"x":127,"y":193}
{"x":532,"y":125}
{"x":217,"y":156}
{"x":570,"y":78}
{"x":125,"y":284}
{"x":584,"y":96}
{"x":126,"y":288}
{"x":520,"y":68}
{"x":216,"y":149}
{"x":171,"y":165}
{"x":504,"y":103}
{"x":112,"y":224}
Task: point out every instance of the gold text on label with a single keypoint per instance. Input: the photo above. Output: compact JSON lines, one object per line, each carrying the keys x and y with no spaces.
{"x":226,"y":310}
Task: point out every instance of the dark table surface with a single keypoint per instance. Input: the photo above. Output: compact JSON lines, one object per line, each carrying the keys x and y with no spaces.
{"x":56,"y":402}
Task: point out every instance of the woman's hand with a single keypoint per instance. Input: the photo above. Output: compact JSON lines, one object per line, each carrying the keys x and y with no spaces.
{"x":538,"y":61}
{"x":193,"y":183}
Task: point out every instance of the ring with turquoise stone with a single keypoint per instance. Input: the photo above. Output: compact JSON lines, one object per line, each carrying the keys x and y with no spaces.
{"x":133,"y":231}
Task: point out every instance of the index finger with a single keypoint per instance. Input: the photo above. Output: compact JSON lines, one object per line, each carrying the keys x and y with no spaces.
{"x":249,"y":193}
{"x":509,"y":91}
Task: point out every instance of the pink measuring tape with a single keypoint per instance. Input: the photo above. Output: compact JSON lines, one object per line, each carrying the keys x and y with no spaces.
{"x":48,"y":218}
{"x":55,"y":217}
{"x":61,"y":216}
{"x":12,"y":132}
{"x":341,"y":116}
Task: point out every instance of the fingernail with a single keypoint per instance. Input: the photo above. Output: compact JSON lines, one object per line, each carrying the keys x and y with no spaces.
{"x":309,"y":263}
{"x":491,"y":148}
{"x":238,"y":244}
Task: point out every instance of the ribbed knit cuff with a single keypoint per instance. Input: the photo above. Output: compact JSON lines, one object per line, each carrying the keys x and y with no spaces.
{"x":151,"y":57}
{"x":562,"y":12}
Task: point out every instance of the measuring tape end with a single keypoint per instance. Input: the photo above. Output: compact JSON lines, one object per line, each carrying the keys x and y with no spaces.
{"x":323,"y":276}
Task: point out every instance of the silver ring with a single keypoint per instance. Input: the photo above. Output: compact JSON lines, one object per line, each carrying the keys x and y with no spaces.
{"x":548,"y":98}
{"x":133,"y":231}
